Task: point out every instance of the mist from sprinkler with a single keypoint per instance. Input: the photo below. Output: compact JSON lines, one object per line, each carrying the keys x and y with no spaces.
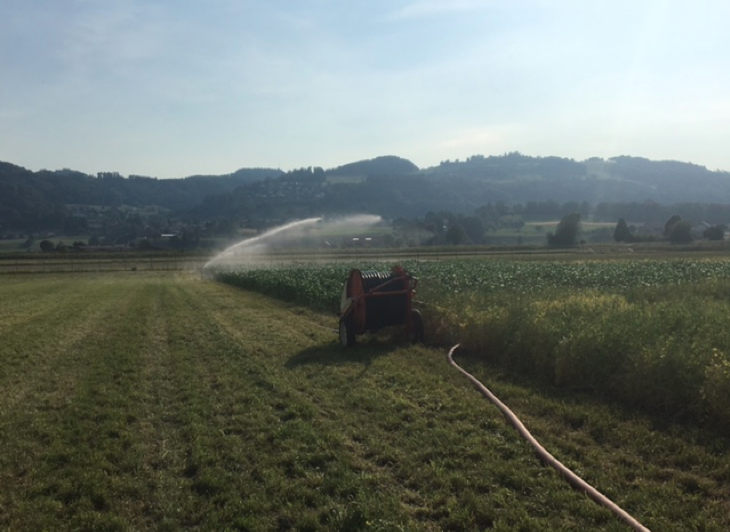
{"x":254,"y":249}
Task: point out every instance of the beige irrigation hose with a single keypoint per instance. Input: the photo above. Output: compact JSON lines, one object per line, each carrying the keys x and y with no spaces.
{"x":545,"y":456}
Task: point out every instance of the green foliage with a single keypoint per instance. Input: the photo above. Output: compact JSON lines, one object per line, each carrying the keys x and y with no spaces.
{"x":680,"y":232}
{"x":622,"y":233}
{"x":669,"y":224}
{"x":456,"y":235}
{"x":641,"y":332}
{"x":566,"y":234}
{"x":715,"y":232}
{"x":319,"y":287}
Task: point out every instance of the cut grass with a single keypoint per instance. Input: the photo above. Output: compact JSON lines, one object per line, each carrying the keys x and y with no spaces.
{"x":144,"y":400}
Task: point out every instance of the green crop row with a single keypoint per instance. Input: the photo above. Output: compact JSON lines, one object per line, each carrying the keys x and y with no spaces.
{"x":524,"y":276}
{"x":649,"y":333}
{"x":318,"y":287}
{"x":323,"y":283}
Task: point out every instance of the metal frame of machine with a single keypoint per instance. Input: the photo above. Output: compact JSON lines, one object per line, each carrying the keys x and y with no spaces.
{"x":372,"y":300}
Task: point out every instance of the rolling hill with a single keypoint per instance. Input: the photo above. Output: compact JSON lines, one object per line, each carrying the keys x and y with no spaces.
{"x":390,"y":186}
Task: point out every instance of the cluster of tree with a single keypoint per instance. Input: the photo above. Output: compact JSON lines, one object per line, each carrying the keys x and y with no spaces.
{"x":651,"y":212}
{"x":52,"y":201}
{"x":516,"y":178}
{"x":676,"y":230}
{"x":448,"y":228}
{"x":566,"y":233}
{"x":509,"y":166}
{"x":47,"y":246}
{"x":495,"y":191}
{"x":715,"y":232}
{"x":453,"y":229}
{"x":384,"y":165}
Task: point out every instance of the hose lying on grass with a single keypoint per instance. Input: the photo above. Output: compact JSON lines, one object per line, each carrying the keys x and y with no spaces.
{"x":545,"y":456}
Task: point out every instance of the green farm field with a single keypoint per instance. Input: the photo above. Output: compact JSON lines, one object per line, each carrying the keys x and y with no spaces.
{"x":160,"y":400}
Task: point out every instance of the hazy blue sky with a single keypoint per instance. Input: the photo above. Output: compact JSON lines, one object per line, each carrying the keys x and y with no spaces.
{"x":173,"y":88}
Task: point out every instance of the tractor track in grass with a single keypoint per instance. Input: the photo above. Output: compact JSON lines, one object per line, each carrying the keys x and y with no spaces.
{"x":159,"y":423}
{"x":41,"y":343}
{"x":71,"y":395}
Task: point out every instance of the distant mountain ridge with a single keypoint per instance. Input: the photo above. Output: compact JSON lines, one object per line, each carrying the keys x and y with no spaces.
{"x":386,"y":164}
{"x":389,"y":185}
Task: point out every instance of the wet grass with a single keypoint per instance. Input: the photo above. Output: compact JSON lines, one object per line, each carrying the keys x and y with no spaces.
{"x":145,"y":400}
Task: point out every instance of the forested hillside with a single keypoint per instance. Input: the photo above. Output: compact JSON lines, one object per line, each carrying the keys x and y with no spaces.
{"x":53,"y":200}
{"x":398,"y":189}
{"x":66,"y":200}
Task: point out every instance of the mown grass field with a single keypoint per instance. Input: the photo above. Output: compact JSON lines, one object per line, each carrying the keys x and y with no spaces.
{"x":141,"y":400}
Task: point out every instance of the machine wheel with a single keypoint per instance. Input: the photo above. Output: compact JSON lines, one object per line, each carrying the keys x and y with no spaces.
{"x":416,"y":332}
{"x":347,"y":333}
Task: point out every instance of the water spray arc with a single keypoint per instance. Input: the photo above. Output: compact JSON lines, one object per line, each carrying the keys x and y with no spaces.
{"x":292,"y":231}
{"x":249,"y":243}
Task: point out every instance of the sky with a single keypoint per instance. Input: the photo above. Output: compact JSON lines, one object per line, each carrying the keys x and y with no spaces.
{"x":171,"y":88}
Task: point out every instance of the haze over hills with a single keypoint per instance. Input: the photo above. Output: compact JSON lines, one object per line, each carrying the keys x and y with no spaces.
{"x":390,"y":186}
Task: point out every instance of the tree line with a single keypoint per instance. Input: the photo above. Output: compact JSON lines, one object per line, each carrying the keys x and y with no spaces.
{"x":456,"y":202}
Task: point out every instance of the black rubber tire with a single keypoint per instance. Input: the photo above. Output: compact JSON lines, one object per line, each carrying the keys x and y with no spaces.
{"x":346,"y":332}
{"x":416,"y":333}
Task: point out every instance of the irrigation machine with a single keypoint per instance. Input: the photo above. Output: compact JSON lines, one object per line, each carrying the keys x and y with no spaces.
{"x":372,"y":300}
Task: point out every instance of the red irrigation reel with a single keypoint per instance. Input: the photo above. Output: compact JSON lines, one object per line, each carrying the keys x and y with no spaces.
{"x":372,"y":300}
